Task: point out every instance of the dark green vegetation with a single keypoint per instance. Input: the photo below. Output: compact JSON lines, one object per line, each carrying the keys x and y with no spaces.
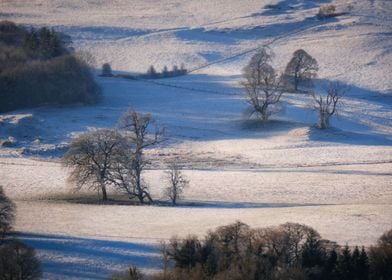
{"x":289,"y":251}
{"x":37,"y":68}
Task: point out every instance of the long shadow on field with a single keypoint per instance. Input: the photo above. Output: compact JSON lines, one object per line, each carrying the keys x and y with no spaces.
{"x":197,"y":107}
{"x":355,"y":127}
{"x":80,"y":258}
{"x":288,"y":6}
{"x":335,"y":135}
{"x":239,"y":205}
{"x":209,"y":107}
{"x":255,"y":33}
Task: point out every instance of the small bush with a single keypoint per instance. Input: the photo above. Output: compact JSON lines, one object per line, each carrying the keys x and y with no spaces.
{"x":326,"y":11}
{"x":272,"y":6}
{"x":107,"y":70}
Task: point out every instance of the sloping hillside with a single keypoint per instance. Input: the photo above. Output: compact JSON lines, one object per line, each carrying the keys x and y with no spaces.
{"x":338,"y":181}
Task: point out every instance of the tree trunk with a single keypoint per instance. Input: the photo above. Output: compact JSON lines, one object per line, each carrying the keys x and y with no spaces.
{"x":140,"y":197}
{"x":174,"y":202}
{"x":104,"y":193}
{"x":138,"y":174}
{"x":139,"y":189}
{"x":296,"y":81}
{"x":264,"y":113}
{"x":148,"y":196}
{"x":324,"y":120}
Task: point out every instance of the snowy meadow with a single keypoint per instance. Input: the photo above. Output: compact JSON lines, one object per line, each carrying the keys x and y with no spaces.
{"x":337,"y":180}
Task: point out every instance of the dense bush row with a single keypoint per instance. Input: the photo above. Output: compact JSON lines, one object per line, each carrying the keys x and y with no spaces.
{"x":37,"y":69}
{"x":290,"y":251}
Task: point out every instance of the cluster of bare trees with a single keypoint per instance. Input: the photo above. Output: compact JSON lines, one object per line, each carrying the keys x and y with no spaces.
{"x":264,"y":86}
{"x":115,"y":157}
{"x":289,"y":251}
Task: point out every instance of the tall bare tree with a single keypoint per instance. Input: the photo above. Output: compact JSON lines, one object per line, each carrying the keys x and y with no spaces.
{"x":7,"y":213}
{"x":177,"y":183}
{"x":327,"y":104}
{"x":301,"y":69}
{"x":262,"y":84}
{"x":136,"y":128}
{"x":92,"y":158}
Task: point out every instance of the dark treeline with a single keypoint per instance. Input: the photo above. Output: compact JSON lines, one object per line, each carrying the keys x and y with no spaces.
{"x":289,"y":251}
{"x":37,"y":68}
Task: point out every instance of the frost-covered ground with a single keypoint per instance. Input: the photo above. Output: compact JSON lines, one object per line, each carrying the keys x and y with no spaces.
{"x":338,"y":181}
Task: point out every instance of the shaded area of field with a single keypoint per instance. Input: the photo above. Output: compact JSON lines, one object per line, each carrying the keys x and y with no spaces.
{"x":83,"y":258}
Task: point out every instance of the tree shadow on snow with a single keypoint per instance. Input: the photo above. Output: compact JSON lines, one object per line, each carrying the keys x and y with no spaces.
{"x":211,"y":107}
{"x":196,"y":107}
{"x":289,"y":6}
{"x":237,"y":205}
{"x":259,"y":32}
{"x":71,"y":257}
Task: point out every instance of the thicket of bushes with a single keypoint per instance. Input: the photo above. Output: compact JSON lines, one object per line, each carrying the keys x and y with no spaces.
{"x":290,"y":251}
{"x":36,"y":68}
{"x":17,"y":260}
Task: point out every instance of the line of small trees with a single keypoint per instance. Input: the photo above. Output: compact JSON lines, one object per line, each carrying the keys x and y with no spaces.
{"x":264,"y":86}
{"x":37,"y":68}
{"x":17,"y":260}
{"x":152,"y":73}
{"x":289,"y":251}
{"x":115,"y":158}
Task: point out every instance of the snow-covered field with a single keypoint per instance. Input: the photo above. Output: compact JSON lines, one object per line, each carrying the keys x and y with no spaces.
{"x":338,"y":181}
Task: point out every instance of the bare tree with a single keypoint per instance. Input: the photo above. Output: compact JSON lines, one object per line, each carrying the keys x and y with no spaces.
{"x":177,"y":183}
{"x":136,"y":129}
{"x":7,"y":213}
{"x":326,"y":105}
{"x":296,"y":237}
{"x":301,"y":69}
{"x":262,"y":84}
{"x":92,"y":157}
